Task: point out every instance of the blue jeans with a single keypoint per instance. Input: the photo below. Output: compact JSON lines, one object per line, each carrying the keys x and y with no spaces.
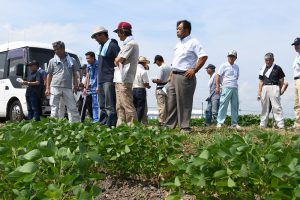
{"x":139,"y":100}
{"x":228,"y":95}
{"x":95,"y":106}
{"x":33,"y":107}
{"x":211,"y":112}
{"x":107,"y":104}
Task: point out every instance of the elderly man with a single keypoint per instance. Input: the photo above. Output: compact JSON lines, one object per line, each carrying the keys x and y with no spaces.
{"x":228,"y":75}
{"x":213,"y":100}
{"x":271,"y":79}
{"x":109,"y":50}
{"x":296,"y":66}
{"x":62,"y":78}
{"x":141,"y":82}
{"x":125,"y":70}
{"x":161,"y":81}
{"x":189,"y":57}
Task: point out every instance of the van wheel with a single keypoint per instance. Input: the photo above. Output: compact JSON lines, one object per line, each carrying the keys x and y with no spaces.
{"x":15,"y":112}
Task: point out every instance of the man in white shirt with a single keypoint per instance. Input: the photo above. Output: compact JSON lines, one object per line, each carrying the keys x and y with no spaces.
{"x":296,"y":66}
{"x":161,"y":81}
{"x":228,"y":75}
{"x":126,"y":64}
{"x":141,"y":82}
{"x":189,"y":58}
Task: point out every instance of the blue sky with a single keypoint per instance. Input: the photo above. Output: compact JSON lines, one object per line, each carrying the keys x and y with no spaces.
{"x":252,"y":27}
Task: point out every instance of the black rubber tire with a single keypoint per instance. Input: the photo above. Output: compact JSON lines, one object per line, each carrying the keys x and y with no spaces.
{"x":15,"y":112}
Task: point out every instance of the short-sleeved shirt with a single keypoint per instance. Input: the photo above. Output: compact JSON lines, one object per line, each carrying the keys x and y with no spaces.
{"x":296,"y":66}
{"x":187,"y":52}
{"x":62,"y":72}
{"x":106,"y":63}
{"x":141,"y":77}
{"x":34,"y":89}
{"x":130,"y":51}
{"x":229,"y":75}
{"x":164,"y":72}
{"x":274,"y":77}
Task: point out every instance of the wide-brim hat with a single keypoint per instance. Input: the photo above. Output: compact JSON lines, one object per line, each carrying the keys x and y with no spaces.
{"x":143,"y":60}
{"x":97,"y":30}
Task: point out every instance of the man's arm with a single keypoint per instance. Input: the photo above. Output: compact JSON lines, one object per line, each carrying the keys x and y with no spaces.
{"x":260,"y":85}
{"x":284,"y":87}
{"x":218,"y":82}
{"x":280,"y":84}
{"x":48,"y":82}
{"x":190,"y":73}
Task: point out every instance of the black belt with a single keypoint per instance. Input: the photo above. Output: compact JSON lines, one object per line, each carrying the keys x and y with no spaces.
{"x":161,"y":84}
{"x":270,"y":83}
{"x":296,"y":78}
{"x":159,"y":88}
{"x":179,"y":72}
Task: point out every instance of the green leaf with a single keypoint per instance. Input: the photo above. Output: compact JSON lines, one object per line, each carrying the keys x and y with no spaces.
{"x":220,"y":174}
{"x":231,"y":183}
{"x":177,"y":181}
{"x":49,"y":159}
{"x":199,"y":181}
{"x":33,"y":155}
{"x":93,"y":155}
{"x":244,"y":171}
{"x":26,"y":128}
{"x":204,"y":154}
{"x":297,"y":192}
{"x":84,"y":195}
{"x":127,"y":149}
{"x":29,"y":167}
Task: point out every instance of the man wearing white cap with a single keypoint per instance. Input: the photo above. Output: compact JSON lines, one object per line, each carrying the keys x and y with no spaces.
{"x":109,"y":50}
{"x":296,"y":66}
{"x":125,"y":70}
{"x":271,"y":79}
{"x":227,"y":76}
{"x":141,"y":82}
{"x":189,"y":58}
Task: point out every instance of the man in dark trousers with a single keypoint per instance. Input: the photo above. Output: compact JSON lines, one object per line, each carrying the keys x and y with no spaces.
{"x":108,"y":51}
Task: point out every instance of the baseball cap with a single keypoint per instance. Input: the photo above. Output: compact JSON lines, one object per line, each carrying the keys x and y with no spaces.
{"x":158,"y":58}
{"x":296,"y":41}
{"x":32,"y":62}
{"x":232,"y":53}
{"x":123,"y":25}
{"x":211,"y":66}
{"x":99,"y":29}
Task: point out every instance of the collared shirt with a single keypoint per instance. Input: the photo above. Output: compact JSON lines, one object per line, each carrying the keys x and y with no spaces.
{"x":93,"y":74}
{"x":164,"y":72}
{"x":141,"y":77}
{"x":187,"y":52}
{"x":130,"y":51}
{"x":212,"y":87}
{"x":62,"y":73}
{"x":34,"y":89}
{"x":229,"y":75}
{"x":296,"y":66}
{"x":274,"y":77}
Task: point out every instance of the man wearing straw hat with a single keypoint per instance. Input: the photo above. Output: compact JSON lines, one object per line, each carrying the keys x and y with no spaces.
{"x":141,"y":82}
{"x":296,"y":66}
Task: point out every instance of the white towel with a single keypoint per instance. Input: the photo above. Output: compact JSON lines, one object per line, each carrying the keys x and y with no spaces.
{"x":105,"y":47}
{"x":68,"y":57}
{"x":128,"y":39}
{"x":267,"y":74}
{"x":296,"y":61}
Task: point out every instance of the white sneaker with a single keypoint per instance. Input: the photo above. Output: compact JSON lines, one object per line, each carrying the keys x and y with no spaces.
{"x":235,"y":126}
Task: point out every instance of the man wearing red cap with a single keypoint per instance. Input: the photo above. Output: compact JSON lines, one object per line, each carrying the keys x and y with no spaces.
{"x":125,"y":70}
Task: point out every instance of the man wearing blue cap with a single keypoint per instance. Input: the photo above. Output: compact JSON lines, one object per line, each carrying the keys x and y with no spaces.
{"x":213,"y":100}
{"x":296,"y":66}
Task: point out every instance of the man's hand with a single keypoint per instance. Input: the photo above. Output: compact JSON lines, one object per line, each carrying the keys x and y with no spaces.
{"x":118,"y":61}
{"x":47,"y":92}
{"x":218,"y":90}
{"x":24,"y":83}
{"x":75,"y":89}
{"x":190,"y":73}
{"x":97,"y":90}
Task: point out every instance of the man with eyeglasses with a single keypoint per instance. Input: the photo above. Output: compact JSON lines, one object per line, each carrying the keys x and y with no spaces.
{"x":62,"y":82}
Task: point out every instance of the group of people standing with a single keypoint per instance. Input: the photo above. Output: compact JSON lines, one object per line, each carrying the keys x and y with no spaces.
{"x":114,"y":85}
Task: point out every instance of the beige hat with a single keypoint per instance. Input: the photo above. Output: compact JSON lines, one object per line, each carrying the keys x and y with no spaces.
{"x":143,"y":59}
{"x":99,"y":29}
{"x":232,"y":53}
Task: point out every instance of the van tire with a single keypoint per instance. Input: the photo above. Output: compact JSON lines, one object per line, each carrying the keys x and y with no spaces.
{"x":15,"y":113}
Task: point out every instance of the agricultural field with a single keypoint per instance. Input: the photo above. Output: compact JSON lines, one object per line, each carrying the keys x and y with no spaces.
{"x":53,"y":159}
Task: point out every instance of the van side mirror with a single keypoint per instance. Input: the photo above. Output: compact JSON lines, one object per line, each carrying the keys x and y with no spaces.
{"x":20,"y":70}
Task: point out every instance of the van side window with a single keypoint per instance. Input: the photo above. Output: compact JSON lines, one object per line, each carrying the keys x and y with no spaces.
{"x":2,"y":63}
{"x":16,"y":66}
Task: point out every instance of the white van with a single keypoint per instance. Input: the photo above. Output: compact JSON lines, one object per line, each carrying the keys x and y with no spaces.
{"x":13,"y":59}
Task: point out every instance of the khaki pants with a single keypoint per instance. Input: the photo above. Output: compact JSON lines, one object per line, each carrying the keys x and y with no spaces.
{"x":271,"y":93}
{"x":297,"y":104}
{"x":125,"y":109}
{"x":162,"y":102}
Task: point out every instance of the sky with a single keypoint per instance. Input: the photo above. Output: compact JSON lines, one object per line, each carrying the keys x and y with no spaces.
{"x":252,"y":28}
